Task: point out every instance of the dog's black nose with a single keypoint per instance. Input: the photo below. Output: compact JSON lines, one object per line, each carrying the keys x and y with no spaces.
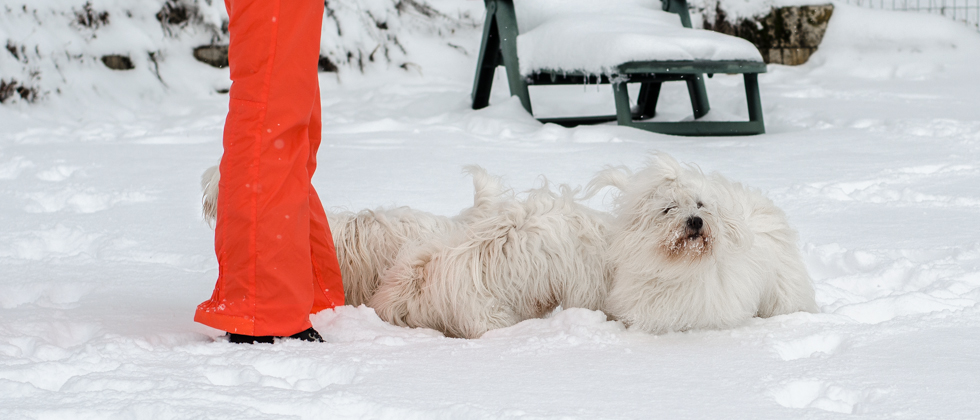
{"x":695,"y":223}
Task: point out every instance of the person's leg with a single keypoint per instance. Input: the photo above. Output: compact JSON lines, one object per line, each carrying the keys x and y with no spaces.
{"x":266,"y":282}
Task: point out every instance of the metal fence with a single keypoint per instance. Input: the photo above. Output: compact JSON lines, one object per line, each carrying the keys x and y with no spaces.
{"x":967,"y":11}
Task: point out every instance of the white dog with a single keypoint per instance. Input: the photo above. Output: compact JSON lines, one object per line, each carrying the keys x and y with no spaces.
{"x":368,"y":241}
{"x":681,"y":251}
{"x":695,"y":251}
{"x":520,"y":260}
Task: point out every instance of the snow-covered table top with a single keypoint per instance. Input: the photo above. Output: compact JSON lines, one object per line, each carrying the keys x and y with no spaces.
{"x":594,"y":37}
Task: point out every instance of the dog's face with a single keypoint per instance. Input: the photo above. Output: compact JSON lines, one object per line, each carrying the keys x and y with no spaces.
{"x":682,"y":215}
{"x":676,"y":216}
{"x":683,"y":224}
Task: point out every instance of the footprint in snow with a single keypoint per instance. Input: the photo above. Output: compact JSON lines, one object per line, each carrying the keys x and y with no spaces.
{"x":310,"y":373}
{"x":897,"y":305}
{"x":78,"y":201}
{"x":11,"y":169}
{"x":57,"y":242}
{"x":57,"y":173}
{"x":897,"y":187}
{"x":821,"y":395}
{"x":814,"y":345}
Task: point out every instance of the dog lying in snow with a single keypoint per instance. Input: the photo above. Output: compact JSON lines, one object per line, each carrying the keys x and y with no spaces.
{"x":368,"y":241}
{"x":521,"y":260}
{"x":681,"y":250}
{"x":695,"y":251}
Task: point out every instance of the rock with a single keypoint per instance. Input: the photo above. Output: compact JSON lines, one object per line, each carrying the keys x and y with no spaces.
{"x":174,"y":12}
{"x":118,"y":62}
{"x":213,"y":55}
{"x":325,"y":65}
{"x":787,"y":35}
{"x":14,"y":88}
{"x":90,"y":18}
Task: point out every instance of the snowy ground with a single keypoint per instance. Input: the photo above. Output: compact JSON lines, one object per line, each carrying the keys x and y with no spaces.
{"x":873,"y":150}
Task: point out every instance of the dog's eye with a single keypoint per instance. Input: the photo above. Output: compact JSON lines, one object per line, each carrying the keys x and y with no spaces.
{"x":668,"y":209}
{"x":700,"y":204}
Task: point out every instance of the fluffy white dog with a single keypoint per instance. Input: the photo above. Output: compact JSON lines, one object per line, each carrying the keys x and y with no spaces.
{"x":520,"y":260}
{"x":368,"y":241}
{"x":695,"y":251}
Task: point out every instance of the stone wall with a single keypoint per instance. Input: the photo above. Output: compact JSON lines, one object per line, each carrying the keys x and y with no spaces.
{"x":787,"y":35}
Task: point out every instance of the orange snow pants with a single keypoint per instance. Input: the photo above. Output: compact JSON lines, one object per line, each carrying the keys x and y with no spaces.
{"x":276,"y":258}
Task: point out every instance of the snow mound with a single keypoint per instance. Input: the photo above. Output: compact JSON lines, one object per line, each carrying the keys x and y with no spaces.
{"x":596,"y":41}
{"x":348,"y":324}
{"x":569,"y":327}
{"x":884,"y":44}
{"x":870,"y":30}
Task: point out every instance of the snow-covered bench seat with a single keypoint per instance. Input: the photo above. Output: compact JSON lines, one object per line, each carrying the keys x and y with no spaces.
{"x":550,"y":42}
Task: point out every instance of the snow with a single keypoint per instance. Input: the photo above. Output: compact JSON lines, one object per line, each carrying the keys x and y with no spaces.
{"x":597,"y":41}
{"x":890,"y":30}
{"x":872,"y":149}
{"x":52,"y":52}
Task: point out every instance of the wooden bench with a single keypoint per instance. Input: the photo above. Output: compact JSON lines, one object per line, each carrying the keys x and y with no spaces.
{"x":600,"y":43}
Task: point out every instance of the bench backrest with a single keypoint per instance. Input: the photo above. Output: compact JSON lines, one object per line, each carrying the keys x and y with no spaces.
{"x":531,"y":13}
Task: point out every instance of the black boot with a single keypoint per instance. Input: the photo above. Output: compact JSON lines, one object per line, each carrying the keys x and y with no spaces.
{"x":309,"y":335}
{"x":250,"y":339}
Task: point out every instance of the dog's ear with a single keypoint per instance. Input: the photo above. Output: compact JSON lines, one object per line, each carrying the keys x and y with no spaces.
{"x":737,"y":232}
{"x":731,"y":211}
{"x":665,"y":166}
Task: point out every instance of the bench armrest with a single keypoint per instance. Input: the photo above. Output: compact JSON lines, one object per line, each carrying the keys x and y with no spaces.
{"x":679,"y":7}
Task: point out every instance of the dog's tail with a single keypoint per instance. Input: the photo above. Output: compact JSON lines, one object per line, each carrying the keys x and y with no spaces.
{"x":487,"y":188}
{"x":209,"y":185}
{"x":612,"y":176}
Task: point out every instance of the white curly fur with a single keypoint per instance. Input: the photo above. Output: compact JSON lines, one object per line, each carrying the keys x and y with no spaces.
{"x":667,"y":276}
{"x":368,"y":241}
{"x":209,"y":185}
{"x":520,"y":260}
